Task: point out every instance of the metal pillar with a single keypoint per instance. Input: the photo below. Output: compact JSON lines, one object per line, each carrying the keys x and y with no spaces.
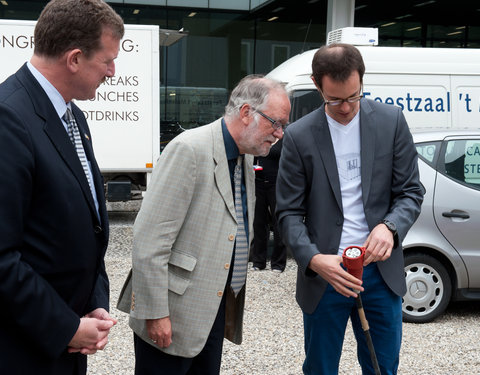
{"x":340,"y":13}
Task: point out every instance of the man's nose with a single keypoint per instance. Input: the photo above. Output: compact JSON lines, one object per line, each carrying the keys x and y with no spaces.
{"x":278,"y":133}
{"x":111,"y":70}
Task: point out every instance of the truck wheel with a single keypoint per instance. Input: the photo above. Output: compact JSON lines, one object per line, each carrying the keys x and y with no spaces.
{"x":429,"y":288}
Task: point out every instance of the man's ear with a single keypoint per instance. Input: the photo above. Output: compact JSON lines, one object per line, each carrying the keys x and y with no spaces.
{"x":315,"y":82}
{"x":73,"y":58}
{"x":246,"y":113}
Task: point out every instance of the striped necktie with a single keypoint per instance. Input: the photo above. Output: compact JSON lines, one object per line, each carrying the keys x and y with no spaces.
{"x":241,"y":246}
{"x":74,"y":134}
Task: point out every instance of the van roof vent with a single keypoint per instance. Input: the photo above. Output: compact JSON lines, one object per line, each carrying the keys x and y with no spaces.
{"x":358,"y":36}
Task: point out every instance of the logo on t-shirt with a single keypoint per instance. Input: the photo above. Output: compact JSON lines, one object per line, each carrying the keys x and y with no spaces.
{"x":349,"y":166}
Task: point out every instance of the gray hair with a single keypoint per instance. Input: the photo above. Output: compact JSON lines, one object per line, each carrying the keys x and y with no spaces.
{"x":252,"y":90}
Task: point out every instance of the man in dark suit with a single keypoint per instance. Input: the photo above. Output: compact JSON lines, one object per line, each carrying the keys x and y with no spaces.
{"x":265,"y":186}
{"x":348,"y":176}
{"x":54,"y":290}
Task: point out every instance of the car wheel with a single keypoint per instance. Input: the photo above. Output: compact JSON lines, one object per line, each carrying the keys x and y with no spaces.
{"x":428,"y":288}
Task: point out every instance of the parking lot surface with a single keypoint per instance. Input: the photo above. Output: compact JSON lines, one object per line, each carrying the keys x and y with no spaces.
{"x":273,"y":332}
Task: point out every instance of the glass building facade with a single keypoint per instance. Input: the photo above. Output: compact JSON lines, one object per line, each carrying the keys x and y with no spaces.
{"x":228,"y":39}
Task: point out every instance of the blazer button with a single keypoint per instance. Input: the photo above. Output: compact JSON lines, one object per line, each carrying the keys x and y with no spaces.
{"x":132,"y":307}
{"x":231,"y":237}
{"x":97,"y":229}
{"x":220,"y":293}
{"x":227,"y":266}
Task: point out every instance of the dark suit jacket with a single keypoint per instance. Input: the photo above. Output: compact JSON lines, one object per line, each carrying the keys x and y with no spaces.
{"x":309,"y":202}
{"x":52,"y":245}
{"x":269,"y":164}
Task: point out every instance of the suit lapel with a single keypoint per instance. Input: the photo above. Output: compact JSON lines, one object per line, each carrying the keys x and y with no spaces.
{"x":56,"y":131}
{"x":323,"y":140}
{"x":367,"y":153}
{"x":97,"y":176}
{"x":222,"y":173}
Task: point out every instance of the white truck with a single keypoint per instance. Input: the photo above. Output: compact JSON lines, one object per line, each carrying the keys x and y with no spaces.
{"x":435,"y":87}
{"x":124,"y":116}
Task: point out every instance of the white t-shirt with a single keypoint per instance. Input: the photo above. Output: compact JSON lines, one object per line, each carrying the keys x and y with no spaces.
{"x":346,"y":143}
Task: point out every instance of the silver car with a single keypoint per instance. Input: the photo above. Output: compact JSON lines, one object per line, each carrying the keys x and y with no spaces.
{"x":442,"y":249}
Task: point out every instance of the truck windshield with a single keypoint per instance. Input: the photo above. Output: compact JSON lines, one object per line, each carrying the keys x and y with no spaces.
{"x":304,"y":102}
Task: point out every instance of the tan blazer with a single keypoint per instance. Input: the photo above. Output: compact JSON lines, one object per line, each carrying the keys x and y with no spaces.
{"x":183,"y":243}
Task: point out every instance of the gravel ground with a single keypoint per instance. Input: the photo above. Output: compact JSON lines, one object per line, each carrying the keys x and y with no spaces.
{"x":273,"y":331}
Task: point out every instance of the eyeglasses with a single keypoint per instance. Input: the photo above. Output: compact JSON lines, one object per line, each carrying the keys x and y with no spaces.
{"x":275,"y":124}
{"x":350,"y":100}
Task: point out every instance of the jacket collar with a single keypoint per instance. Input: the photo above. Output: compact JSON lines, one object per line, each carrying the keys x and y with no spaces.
{"x":55,"y":130}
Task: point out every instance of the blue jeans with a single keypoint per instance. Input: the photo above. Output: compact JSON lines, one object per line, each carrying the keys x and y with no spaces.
{"x":325,"y":328}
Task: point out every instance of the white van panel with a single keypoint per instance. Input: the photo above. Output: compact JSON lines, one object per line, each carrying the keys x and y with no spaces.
{"x":466,"y":103}
{"x":425,"y":100}
{"x":435,"y":87}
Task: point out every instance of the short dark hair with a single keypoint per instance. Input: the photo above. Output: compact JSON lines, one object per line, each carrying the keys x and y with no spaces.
{"x":67,"y":24}
{"x":338,"y":61}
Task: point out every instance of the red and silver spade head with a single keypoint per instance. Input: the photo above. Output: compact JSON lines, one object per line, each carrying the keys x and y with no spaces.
{"x":353,"y":260}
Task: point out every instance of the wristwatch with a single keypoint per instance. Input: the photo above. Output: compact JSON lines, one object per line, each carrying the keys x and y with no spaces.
{"x":391,"y":226}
